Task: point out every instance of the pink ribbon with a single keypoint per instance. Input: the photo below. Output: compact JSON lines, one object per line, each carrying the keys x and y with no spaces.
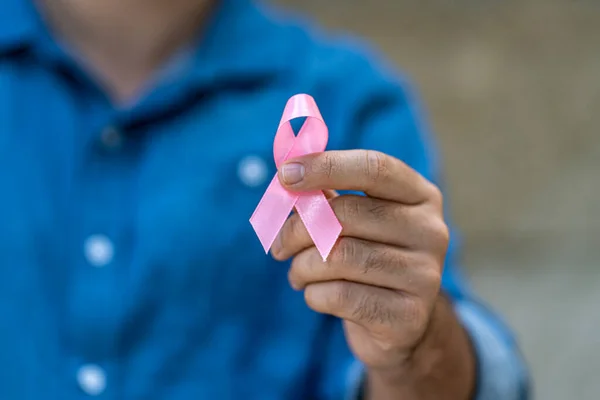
{"x":277,"y":203}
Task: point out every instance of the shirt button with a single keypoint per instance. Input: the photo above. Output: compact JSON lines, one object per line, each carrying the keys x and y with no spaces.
{"x":252,"y":171}
{"x":91,"y":379}
{"x":111,"y":137}
{"x":98,"y":250}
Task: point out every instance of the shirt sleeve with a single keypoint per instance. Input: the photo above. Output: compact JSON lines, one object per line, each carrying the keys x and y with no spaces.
{"x":390,"y":120}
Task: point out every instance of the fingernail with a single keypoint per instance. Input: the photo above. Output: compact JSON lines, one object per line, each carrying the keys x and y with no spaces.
{"x":292,"y":173}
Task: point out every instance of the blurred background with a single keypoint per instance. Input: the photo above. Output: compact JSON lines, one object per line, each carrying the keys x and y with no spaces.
{"x":513,"y":89}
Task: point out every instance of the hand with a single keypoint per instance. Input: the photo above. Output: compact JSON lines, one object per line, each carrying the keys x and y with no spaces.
{"x":383,"y":275}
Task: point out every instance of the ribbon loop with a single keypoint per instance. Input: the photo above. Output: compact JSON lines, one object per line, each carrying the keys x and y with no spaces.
{"x":312,"y":137}
{"x":277,"y":203}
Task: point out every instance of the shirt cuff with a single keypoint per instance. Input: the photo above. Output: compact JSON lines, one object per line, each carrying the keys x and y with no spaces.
{"x":502,"y":374}
{"x":501,"y":370}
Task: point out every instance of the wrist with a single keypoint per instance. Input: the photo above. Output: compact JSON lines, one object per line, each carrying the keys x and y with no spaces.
{"x":442,"y":364}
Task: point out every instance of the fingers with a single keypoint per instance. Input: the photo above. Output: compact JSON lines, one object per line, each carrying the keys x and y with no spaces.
{"x":378,"y":309}
{"x":372,"y":220}
{"x":372,"y":172}
{"x":330,"y":194}
{"x":368,"y":263}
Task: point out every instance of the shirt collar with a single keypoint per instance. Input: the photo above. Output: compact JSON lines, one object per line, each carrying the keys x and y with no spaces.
{"x":240,"y":40}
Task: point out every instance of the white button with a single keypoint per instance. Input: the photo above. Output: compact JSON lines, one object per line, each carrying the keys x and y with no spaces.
{"x":252,"y":171}
{"x":98,"y":250}
{"x":91,"y":379}
{"x":111,"y":137}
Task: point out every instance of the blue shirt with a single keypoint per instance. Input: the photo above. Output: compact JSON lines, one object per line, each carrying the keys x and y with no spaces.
{"x":128,"y":268}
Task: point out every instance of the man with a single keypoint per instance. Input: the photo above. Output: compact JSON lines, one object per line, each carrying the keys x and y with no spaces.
{"x":136,"y":140}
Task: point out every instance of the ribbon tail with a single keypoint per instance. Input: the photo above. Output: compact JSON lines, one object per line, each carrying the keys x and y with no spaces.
{"x":272,"y":212}
{"x":321,"y":222}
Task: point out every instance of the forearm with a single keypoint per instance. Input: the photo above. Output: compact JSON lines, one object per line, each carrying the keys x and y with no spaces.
{"x":441,"y":367}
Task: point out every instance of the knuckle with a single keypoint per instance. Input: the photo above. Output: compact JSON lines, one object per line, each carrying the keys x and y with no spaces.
{"x":432,"y":277}
{"x":440,"y":234}
{"x":345,"y":252}
{"x":411,"y":312}
{"x":435,"y":195}
{"x":444,"y":234}
{"x":401,"y":262}
{"x":380,"y":211}
{"x":400,"y":213}
{"x":352,"y":208}
{"x":347,"y":208}
{"x":327,"y":165}
{"x":433,"y":232}
{"x":371,"y":309}
{"x":376,"y":168}
{"x":376,"y":259}
{"x":341,"y":294}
